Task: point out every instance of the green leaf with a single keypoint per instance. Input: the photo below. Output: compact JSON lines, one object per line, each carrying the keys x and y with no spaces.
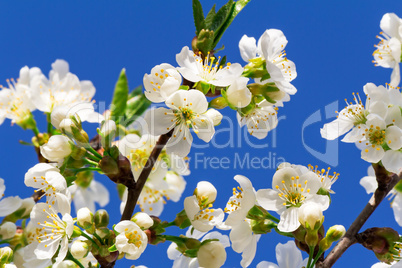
{"x":221,"y":16}
{"x":136,"y":91}
{"x":236,"y":8}
{"x":184,"y":87}
{"x":136,"y":106}
{"x":198,"y":16}
{"x":192,"y":253}
{"x":120,"y":96}
{"x":267,"y":97}
{"x":210,"y":17}
{"x":113,"y":248}
{"x":205,"y":39}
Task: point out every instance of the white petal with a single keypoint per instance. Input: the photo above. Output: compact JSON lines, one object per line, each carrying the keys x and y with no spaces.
{"x":369,"y":183}
{"x":397,"y":208}
{"x":268,"y":199}
{"x":288,"y":255}
{"x":160,"y":121}
{"x":373,"y":154}
{"x":204,"y":128}
{"x":9,"y":204}
{"x":393,"y":137}
{"x":180,"y":143}
{"x":392,"y":161}
{"x":241,"y":236}
{"x":248,"y":48}
{"x":266,"y":264}
{"x":289,"y":220}
{"x":336,"y":128}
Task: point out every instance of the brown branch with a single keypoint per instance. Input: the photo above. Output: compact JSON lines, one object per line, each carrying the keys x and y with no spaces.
{"x":385,"y":184}
{"x":134,"y":192}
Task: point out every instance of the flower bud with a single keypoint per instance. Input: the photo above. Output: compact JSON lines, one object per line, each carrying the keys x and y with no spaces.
{"x":108,"y":128}
{"x":238,"y":94}
{"x":66,"y":125}
{"x":6,"y":255}
{"x":211,"y":255}
{"x":218,"y":103}
{"x":205,"y":192}
{"x":79,"y":249}
{"x":58,"y":114}
{"x":214,"y":115}
{"x":67,"y":264}
{"x":84,"y":178}
{"x":143,"y":220}
{"x":310,"y":216}
{"x":7,"y":230}
{"x":335,"y":233}
{"x":101,"y":218}
{"x":56,"y":149}
{"x":85,"y":218}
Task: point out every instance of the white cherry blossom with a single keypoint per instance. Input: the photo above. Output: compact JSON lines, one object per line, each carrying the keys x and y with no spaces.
{"x":287,"y":256}
{"x":270,"y":48}
{"x":194,"y":69}
{"x":388,"y":52}
{"x":47,"y":178}
{"x":131,"y":240}
{"x":187,"y":110}
{"x":260,"y":120}
{"x":15,"y":101}
{"x":163,"y":81}
{"x":51,"y":231}
{"x":181,"y":261}
{"x":61,"y":89}
{"x":9,"y":204}
{"x":95,"y":192}
{"x":293,"y":186}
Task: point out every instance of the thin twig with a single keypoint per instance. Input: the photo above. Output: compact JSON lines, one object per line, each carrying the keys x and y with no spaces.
{"x":385,"y":184}
{"x":134,"y":193}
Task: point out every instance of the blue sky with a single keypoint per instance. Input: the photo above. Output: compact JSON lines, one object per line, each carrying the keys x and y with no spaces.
{"x":330,"y":42}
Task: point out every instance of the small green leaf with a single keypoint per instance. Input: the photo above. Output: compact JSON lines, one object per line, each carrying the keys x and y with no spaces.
{"x":136,"y":106}
{"x":192,"y":253}
{"x":267,"y":97}
{"x":204,"y":41}
{"x":113,"y":248}
{"x":184,"y":87}
{"x":236,"y":8}
{"x":221,"y":16}
{"x":120,"y":96}
{"x":136,"y":91}
{"x":198,"y":16}
{"x":186,"y":223}
{"x":210,"y":17}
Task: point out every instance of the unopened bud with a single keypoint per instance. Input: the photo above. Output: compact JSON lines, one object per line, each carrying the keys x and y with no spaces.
{"x":101,"y":218}
{"x":78,"y":153}
{"x":85,"y":218}
{"x":84,"y":178}
{"x":310,"y":216}
{"x":238,"y":94}
{"x":7,"y":230}
{"x":67,"y":264}
{"x":66,"y":125}
{"x":109,"y":165}
{"x":79,"y":249}
{"x":218,"y":103}
{"x":262,"y":226}
{"x":143,"y":220}
{"x":108,"y":128}
{"x":57,"y":148}
{"x":205,"y":192}
{"x":211,"y":255}
{"x":335,"y":233}
{"x":214,"y":115}
{"x":6,"y":255}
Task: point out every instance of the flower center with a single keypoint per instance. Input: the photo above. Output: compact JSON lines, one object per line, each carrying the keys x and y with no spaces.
{"x":52,"y":230}
{"x":383,"y":53}
{"x":294,"y":193}
{"x":375,"y":135}
{"x":134,"y":238}
{"x":235,"y":201}
{"x":355,"y":111}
